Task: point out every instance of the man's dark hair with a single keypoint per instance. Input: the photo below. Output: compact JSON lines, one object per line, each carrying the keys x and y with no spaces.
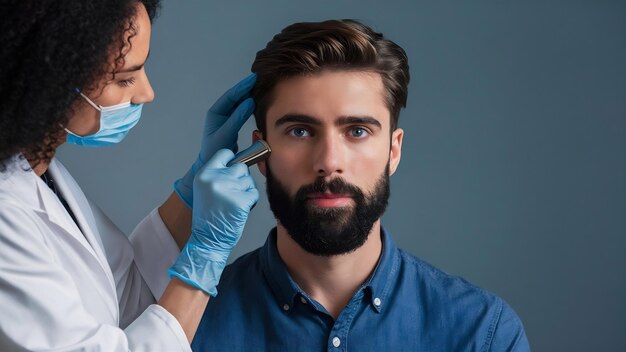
{"x":50,"y":49}
{"x":312,"y":47}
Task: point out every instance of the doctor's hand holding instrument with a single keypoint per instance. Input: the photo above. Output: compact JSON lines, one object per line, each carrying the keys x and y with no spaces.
{"x":224,"y":197}
{"x":74,"y":72}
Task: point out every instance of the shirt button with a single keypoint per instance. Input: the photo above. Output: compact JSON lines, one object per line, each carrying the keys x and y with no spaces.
{"x":286,"y":307}
{"x":377,"y":302}
{"x":336,"y":342}
{"x":302,"y":299}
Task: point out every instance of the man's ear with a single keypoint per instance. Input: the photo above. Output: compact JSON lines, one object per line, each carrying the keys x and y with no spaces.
{"x":256,"y":135}
{"x":396,"y":150}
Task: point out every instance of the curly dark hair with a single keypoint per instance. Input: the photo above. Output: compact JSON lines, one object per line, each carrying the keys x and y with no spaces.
{"x":51,"y":48}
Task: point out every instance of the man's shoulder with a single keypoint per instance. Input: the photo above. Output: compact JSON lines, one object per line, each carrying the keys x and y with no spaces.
{"x":441,"y":285}
{"x":450,"y":298}
{"x":246,"y":264}
{"x":240,"y":280}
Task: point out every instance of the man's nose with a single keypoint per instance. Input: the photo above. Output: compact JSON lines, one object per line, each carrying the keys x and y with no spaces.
{"x":329,"y":157}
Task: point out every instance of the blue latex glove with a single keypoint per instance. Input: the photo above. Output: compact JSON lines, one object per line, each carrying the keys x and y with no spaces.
{"x":224,"y":197}
{"x":221,"y":126}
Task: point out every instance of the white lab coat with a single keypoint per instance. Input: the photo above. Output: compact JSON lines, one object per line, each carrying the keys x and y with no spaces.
{"x":63,"y":289}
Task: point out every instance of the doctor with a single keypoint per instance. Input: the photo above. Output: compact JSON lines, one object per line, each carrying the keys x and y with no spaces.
{"x":74,"y":71}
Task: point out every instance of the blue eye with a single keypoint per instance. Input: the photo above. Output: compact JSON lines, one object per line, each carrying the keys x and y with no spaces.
{"x":358,"y":132}
{"x":299,"y":132}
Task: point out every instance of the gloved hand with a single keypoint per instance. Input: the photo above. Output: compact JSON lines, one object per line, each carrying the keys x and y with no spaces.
{"x":221,"y":125}
{"x":224,"y":197}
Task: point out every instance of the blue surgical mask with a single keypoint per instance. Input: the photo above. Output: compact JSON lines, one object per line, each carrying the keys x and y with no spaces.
{"x":115,"y":122}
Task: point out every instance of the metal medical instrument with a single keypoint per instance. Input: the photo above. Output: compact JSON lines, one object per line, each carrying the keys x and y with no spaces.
{"x":258,"y":151}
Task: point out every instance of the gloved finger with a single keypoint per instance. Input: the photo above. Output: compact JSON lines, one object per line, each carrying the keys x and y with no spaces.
{"x":249,"y":198}
{"x":219,"y":160}
{"x":252,"y":192}
{"x":235,"y":193}
{"x":238,"y":170}
{"x":239,"y":116}
{"x":254,"y":197}
{"x":243,"y":183}
{"x":212,"y":122}
{"x":245,"y":198}
{"x":230,"y":189}
{"x":229,"y":100}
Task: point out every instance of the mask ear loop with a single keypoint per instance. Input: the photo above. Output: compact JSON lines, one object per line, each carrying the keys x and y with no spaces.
{"x":90,"y":103}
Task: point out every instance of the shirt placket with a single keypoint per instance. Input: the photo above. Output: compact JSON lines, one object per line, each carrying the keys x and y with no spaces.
{"x":338,"y":336}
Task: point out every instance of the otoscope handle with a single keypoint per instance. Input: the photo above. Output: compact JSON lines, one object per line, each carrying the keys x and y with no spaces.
{"x":258,"y":151}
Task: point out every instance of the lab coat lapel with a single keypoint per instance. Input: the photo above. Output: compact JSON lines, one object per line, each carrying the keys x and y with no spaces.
{"x":50,"y":206}
{"x":40,"y":197}
{"x":82,"y":211}
{"x":21,"y":182}
{"x":37,"y":195}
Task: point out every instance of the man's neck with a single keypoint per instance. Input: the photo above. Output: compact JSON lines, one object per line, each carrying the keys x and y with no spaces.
{"x":333,"y":280}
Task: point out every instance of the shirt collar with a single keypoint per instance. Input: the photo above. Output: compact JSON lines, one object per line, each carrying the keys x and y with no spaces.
{"x":275,"y":272}
{"x":380,"y":283}
{"x":286,"y":290}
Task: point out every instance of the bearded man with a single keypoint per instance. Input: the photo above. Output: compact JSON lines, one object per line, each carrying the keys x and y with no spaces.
{"x":329,"y":276}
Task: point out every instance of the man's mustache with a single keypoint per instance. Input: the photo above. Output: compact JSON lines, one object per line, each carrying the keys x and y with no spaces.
{"x":336,"y":185}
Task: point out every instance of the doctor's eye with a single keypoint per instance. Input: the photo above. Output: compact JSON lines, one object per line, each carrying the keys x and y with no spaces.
{"x":299,"y":132}
{"x":126,"y":82}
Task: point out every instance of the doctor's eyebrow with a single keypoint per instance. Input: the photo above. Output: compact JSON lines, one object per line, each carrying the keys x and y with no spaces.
{"x":135,"y":67}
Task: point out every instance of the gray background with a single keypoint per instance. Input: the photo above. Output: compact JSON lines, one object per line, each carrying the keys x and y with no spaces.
{"x":513,"y":173}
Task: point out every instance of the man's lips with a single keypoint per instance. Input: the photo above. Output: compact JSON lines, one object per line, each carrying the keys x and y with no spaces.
{"x":330,"y":200}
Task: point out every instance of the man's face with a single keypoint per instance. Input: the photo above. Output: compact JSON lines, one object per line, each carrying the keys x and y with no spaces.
{"x":332,"y":154}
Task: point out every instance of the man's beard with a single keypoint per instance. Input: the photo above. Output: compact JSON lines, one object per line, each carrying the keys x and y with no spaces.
{"x":328,"y":231}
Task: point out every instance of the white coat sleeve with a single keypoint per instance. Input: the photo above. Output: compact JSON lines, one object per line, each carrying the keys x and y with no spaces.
{"x":40,"y":306}
{"x":155,"y":251}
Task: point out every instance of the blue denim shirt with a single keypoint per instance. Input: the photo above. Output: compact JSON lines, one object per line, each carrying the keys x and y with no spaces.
{"x":406,"y":305}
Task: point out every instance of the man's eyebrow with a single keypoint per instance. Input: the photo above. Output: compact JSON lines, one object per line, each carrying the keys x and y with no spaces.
{"x":135,"y":67}
{"x":358,"y":120}
{"x":290,"y":118}
{"x":344,"y":120}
